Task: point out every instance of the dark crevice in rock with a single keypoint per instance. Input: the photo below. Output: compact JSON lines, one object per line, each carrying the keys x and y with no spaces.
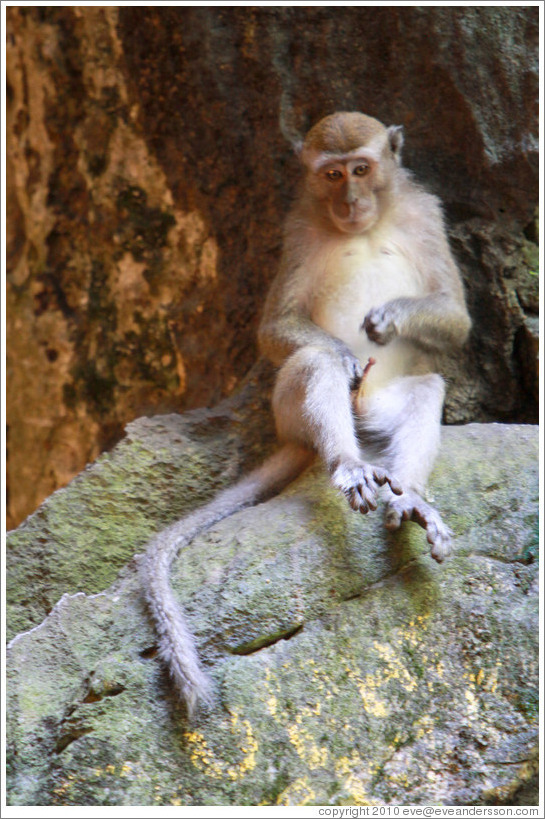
{"x":71,"y":736}
{"x":112,"y":691}
{"x":149,"y":653}
{"x":266,"y":640}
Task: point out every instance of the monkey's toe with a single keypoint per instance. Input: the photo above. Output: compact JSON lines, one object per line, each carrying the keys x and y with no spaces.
{"x":441,"y":545}
{"x":359,"y":483}
{"x":411,"y":507}
{"x":392,"y":519}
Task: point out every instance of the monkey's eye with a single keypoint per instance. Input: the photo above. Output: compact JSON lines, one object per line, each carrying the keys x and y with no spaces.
{"x":361,"y":170}
{"x":333,"y":175}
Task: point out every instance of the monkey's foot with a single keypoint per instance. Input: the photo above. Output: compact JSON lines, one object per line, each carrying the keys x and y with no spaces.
{"x":410,"y":506}
{"x":358,"y":481}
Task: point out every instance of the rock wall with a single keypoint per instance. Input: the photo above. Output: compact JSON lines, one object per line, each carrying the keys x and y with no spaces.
{"x":149,"y":173}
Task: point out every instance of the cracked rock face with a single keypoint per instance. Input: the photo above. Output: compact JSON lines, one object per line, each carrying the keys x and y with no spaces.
{"x":349,"y":668}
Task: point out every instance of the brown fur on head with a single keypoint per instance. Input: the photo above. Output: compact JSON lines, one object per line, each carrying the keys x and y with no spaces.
{"x":345,"y":132}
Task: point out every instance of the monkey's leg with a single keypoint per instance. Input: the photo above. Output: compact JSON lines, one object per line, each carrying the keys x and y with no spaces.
{"x":312,"y":406}
{"x":408,"y":411}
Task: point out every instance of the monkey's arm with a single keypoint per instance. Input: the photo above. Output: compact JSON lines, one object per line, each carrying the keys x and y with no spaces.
{"x":438,"y":319}
{"x":286,"y":325}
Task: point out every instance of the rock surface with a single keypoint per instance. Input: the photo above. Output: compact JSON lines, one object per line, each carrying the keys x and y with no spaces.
{"x":349,"y":668}
{"x":148,"y":177}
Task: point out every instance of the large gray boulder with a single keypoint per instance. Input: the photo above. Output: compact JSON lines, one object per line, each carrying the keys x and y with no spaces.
{"x":349,"y":668}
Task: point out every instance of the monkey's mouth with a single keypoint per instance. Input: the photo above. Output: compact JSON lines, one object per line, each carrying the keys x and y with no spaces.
{"x":352,"y":219}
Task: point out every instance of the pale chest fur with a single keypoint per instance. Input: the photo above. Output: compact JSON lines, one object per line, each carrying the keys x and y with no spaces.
{"x":346,"y":279}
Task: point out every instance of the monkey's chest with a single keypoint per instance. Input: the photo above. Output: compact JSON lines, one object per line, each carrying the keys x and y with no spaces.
{"x":353,"y":280}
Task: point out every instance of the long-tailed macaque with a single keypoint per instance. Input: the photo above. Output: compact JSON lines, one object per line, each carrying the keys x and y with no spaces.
{"x":367,"y":286}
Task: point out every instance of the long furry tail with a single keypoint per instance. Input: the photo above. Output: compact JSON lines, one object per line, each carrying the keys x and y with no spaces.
{"x":176,"y":643}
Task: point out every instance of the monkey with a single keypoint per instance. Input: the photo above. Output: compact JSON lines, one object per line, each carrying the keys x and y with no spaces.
{"x":366,"y":275}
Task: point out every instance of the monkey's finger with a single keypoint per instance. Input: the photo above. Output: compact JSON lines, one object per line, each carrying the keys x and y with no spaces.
{"x":392,"y":519}
{"x":436,"y":552}
{"x":370,"y":329}
{"x":395,"y":486}
{"x":367,"y":492}
{"x":356,"y":381}
{"x":441,"y":548}
{"x":380,"y":477}
{"x":357,"y":501}
{"x":432,"y":535}
{"x":370,"y":498}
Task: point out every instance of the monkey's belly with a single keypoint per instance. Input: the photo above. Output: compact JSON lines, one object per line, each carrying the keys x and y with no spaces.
{"x":352,"y":283}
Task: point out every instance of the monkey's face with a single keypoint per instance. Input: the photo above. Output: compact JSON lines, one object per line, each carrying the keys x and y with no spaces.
{"x":351,"y":161}
{"x":349,"y":192}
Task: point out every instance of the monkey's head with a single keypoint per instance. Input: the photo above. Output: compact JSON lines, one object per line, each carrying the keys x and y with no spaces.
{"x":351,"y":162}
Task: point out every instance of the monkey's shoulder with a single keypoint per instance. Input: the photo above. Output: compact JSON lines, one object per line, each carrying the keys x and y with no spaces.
{"x":415,"y":207}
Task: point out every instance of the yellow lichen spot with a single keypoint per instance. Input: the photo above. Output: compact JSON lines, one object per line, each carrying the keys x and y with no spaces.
{"x":248,"y":764}
{"x":399,"y":778}
{"x":480,"y":677}
{"x":345,"y":766}
{"x":372,"y":704}
{"x":423,"y":726}
{"x":193,"y":736}
{"x":176,"y":802}
{"x":440,"y":668}
{"x":63,"y":787}
{"x":298,"y":793}
{"x":199,"y":754}
{"x":110,"y":769}
{"x":303,"y":742}
{"x":471,"y":701}
{"x":356,"y":789}
{"x":206,"y":761}
{"x":342,"y":766}
{"x":492,"y":681}
{"x":395,"y":670}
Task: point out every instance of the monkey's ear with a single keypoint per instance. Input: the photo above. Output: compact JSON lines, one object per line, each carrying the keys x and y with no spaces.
{"x":297,"y":145}
{"x":395,"y":138}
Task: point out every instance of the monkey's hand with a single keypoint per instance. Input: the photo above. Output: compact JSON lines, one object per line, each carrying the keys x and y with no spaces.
{"x":380,"y":324}
{"x":358,"y":481}
{"x":352,"y":367}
